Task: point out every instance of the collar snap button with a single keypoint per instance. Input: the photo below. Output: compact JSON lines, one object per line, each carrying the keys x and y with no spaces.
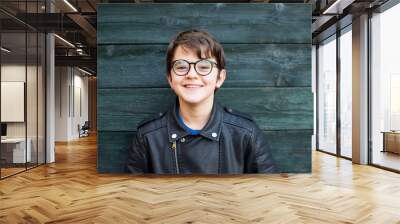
{"x":214,"y":135}
{"x":173,"y":136}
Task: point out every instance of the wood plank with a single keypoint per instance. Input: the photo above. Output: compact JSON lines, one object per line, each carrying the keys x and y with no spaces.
{"x":254,"y":65}
{"x":291,"y":150}
{"x":229,"y":23}
{"x":272,"y":108}
{"x":112,"y":149}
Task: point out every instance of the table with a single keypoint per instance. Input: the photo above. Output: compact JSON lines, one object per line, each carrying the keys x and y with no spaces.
{"x":391,"y":141}
{"x":15,"y":148}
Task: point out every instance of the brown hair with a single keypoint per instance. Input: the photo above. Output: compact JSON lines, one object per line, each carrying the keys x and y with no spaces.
{"x":201,"y":42}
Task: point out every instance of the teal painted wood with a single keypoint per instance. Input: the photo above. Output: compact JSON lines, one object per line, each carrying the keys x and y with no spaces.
{"x":229,"y":23}
{"x":269,"y":71}
{"x":290,"y":149}
{"x":279,"y":65}
{"x":272,"y":108}
{"x":112,"y":151}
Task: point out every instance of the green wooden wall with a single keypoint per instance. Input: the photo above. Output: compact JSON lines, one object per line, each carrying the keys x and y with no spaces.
{"x":268,"y":51}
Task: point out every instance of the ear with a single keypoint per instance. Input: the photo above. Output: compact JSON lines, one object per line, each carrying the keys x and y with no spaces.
{"x":221,"y":78}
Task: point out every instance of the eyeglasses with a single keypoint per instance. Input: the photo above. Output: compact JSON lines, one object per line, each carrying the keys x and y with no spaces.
{"x":203,"y":67}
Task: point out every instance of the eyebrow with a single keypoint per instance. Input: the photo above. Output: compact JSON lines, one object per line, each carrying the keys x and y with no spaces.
{"x":209,"y":59}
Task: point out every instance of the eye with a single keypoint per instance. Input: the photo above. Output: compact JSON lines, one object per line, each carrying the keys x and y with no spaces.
{"x":180,"y":65}
{"x":204,"y":65}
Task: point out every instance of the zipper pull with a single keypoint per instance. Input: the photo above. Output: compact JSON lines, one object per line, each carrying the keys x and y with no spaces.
{"x":173,"y":147}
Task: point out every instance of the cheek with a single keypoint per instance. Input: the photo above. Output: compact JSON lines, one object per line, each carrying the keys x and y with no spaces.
{"x":169,"y":79}
{"x":211,"y":80}
{"x":174,"y":81}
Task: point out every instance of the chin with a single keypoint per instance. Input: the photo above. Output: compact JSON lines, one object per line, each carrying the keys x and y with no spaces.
{"x":194,"y":99}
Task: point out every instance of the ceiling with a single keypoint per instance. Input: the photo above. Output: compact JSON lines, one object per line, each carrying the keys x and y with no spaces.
{"x":75,"y":21}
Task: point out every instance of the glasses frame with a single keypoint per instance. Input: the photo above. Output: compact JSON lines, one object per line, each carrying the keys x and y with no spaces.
{"x":194,"y":66}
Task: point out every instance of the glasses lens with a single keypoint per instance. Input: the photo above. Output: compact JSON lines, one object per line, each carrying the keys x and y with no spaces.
{"x":203,"y":67}
{"x":181,"y":67}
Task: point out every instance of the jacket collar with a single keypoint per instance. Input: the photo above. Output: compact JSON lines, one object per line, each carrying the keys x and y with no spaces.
{"x":212,"y":129}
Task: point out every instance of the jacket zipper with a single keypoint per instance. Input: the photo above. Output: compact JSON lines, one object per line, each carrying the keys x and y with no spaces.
{"x":176,"y":156}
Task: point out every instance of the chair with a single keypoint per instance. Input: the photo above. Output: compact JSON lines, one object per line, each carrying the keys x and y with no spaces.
{"x":84,"y":130}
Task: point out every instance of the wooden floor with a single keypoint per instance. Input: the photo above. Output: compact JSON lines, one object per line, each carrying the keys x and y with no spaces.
{"x":386,"y":159}
{"x":5,"y":172}
{"x":70,"y":191}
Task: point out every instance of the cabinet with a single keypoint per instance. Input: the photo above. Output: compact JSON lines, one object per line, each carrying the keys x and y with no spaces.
{"x":13,"y":150}
{"x":391,"y":141}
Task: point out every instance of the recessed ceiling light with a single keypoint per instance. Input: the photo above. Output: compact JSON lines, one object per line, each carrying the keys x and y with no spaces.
{"x":65,"y":41}
{"x":5,"y":50}
{"x":84,"y":71}
{"x":70,"y":5}
{"x":338,"y":6}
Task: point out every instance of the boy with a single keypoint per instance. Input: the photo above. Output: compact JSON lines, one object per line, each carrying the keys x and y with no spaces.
{"x":197,"y":135}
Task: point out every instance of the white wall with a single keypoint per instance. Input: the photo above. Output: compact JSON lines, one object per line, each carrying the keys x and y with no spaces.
{"x":33,"y":127}
{"x":62,"y":81}
{"x":10,"y":73}
{"x":16,"y":73}
{"x":71,"y":93}
{"x":12,"y":100}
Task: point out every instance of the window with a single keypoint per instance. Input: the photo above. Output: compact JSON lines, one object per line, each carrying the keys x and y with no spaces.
{"x":346,"y":92}
{"x":327,"y":95}
{"x":385,"y":89}
{"x":22,"y":78}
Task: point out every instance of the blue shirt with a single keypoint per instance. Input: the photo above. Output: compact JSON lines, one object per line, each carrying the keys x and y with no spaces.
{"x":191,"y":131}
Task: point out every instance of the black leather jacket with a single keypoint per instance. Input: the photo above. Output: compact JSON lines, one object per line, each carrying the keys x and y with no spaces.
{"x":230,"y":143}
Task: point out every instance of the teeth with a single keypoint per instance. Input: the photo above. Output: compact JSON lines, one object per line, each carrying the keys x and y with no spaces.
{"x":191,"y":86}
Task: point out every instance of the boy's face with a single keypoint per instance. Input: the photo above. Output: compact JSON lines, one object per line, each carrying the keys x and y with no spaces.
{"x":194,"y":88}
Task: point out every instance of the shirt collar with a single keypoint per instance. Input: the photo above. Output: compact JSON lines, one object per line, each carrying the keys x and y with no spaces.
{"x":212,"y":129}
{"x":188,"y":129}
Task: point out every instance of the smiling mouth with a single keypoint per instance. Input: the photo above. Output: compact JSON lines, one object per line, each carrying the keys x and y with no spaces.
{"x":192,"y":86}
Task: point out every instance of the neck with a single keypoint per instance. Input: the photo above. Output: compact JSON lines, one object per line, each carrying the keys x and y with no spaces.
{"x":196,"y":116}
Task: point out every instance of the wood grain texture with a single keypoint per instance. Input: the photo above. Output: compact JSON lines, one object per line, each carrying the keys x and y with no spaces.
{"x":229,"y":23}
{"x":291,"y":150}
{"x":248,"y":65}
{"x":272,"y":108}
{"x":71,"y":191}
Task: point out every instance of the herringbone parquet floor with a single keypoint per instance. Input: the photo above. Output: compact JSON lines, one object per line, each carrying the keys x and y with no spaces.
{"x":71,"y":191}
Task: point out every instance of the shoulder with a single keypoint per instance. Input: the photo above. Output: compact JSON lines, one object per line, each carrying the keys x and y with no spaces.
{"x":151,"y":123}
{"x":239,"y":119}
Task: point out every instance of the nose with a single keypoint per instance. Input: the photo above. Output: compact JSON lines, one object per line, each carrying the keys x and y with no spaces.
{"x":192,"y":72}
